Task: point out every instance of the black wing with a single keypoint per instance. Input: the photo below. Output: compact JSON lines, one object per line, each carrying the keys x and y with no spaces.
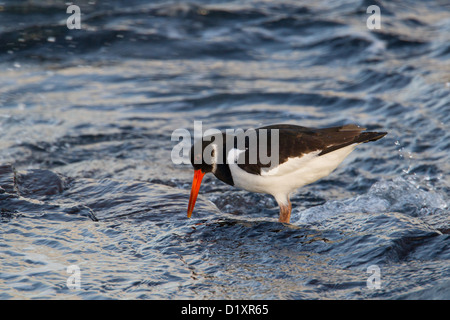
{"x":295,"y":141}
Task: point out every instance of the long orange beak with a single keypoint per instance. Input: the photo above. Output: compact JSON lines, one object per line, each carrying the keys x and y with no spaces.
{"x":198,"y":176}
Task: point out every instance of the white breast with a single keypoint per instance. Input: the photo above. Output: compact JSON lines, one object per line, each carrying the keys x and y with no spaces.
{"x":290,"y":175}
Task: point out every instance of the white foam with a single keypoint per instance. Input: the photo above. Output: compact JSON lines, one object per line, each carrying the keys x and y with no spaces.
{"x":397,"y":195}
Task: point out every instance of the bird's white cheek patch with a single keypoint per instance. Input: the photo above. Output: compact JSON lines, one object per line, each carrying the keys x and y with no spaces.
{"x":233,"y":155}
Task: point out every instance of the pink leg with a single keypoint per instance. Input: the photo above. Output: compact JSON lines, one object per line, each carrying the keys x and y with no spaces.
{"x":285,"y":212}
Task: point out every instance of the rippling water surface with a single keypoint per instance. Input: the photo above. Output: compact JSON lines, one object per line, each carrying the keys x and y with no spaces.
{"x":86,"y":177}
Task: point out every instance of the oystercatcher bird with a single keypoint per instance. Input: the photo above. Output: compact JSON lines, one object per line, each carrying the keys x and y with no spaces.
{"x":303,"y":155}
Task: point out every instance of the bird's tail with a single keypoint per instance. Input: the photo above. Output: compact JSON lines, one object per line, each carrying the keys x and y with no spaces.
{"x":351,"y":134}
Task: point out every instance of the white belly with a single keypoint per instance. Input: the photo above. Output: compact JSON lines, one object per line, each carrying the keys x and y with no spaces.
{"x":291,"y":175}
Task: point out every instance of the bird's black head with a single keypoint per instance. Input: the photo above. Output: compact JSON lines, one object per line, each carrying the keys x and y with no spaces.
{"x":208,"y":155}
{"x":203,"y":155}
{"x":203,"y":159}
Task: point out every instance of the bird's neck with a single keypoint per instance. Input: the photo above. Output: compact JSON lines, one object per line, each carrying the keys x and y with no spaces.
{"x":223,"y":173}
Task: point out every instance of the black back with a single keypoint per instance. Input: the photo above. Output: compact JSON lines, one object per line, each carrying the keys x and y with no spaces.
{"x":296,"y":141}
